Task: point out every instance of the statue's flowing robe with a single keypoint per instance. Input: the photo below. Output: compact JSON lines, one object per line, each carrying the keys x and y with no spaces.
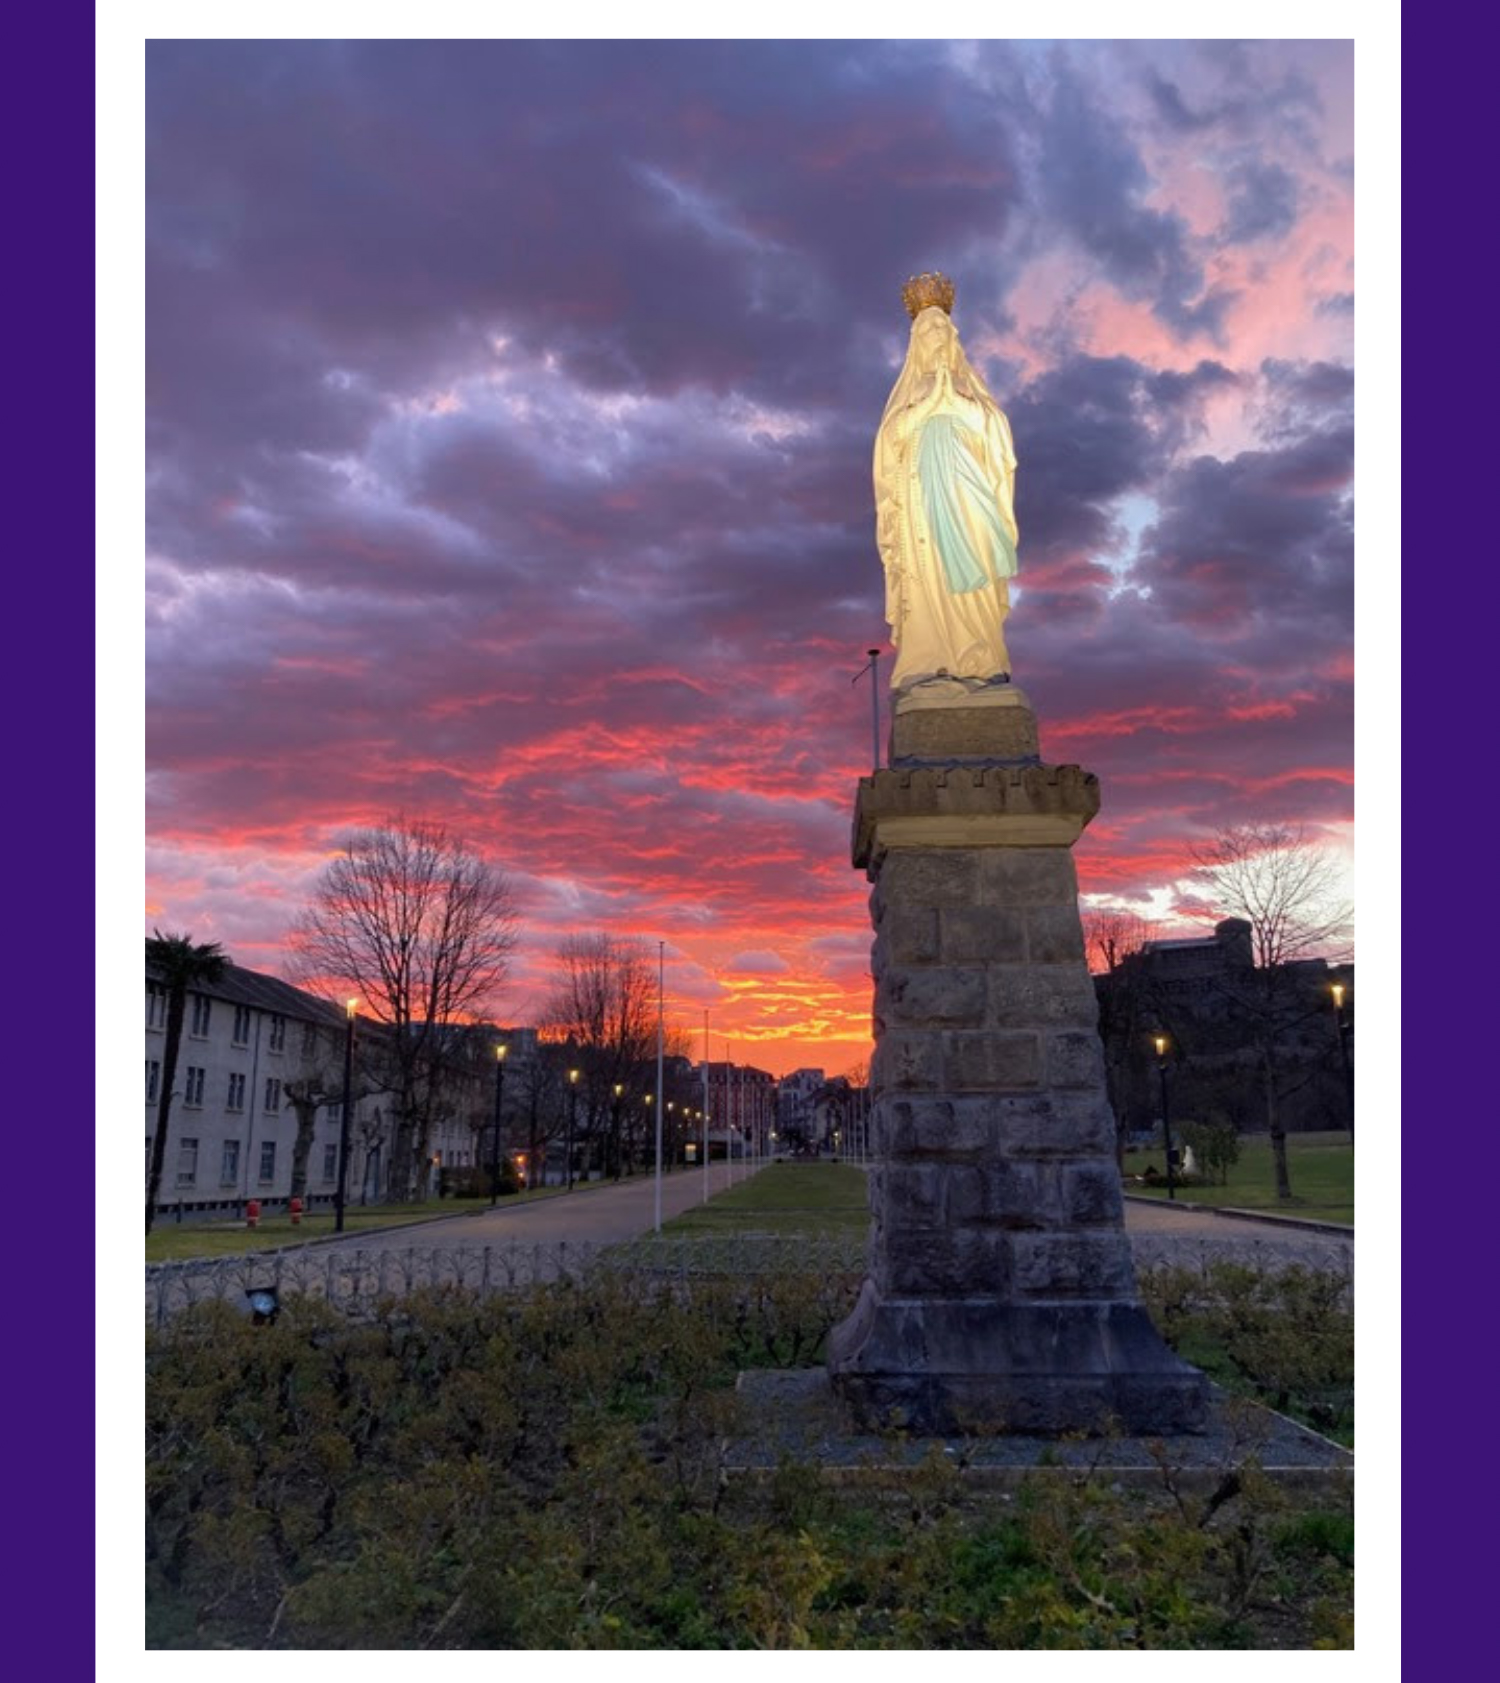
{"x":944,"y":483}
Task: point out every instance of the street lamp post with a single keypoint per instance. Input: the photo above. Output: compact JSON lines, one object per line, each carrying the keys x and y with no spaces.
{"x":1166,"y":1115}
{"x":705,"y":1104}
{"x":1341,"y":1029}
{"x":615,"y":1127}
{"x":351,"y":1007}
{"x":500,"y":1051}
{"x":572,"y":1115}
{"x":661,"y":960}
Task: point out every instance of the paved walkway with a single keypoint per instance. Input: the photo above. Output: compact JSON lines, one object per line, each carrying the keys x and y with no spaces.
{"x":1166,"y":1235}
{"x":596,"y":1215}
{"x":1143,"y":1217}
{"x":606,"y":1215}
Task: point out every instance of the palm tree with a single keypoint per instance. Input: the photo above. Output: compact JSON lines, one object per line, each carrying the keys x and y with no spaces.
{"x":179,"y":965}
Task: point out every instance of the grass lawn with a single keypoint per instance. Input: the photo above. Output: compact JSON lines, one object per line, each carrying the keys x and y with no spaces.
{"x":170,"y":1243}
{"x":1320,"y":1167}
{"x":167,"y":1242}
{"x":813,"y":1199}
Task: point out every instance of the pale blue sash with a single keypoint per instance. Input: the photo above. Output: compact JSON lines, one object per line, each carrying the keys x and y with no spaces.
{"x":961,"y":507}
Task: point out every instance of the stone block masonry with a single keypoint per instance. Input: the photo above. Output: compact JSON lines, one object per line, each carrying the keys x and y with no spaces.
{"x":1001,"y":1293}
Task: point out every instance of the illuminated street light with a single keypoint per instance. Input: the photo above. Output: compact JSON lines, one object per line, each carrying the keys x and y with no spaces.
{"x":1166,"y":1119}
{"x":614,"y":1130}
{"x":573,"y":1075}
{"x":1341,"y":1029}
{"x":500,"y":1051}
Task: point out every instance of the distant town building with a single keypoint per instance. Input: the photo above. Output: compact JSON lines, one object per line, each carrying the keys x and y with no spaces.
{"x":796,"y":1099}
{"x":741,"y":1109}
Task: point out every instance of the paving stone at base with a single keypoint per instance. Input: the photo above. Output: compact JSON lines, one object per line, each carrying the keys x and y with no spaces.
{"x":795,"y":1414}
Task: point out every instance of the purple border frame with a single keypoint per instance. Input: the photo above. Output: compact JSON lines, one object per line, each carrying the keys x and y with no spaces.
{"x":1447,"y":1213}
{"x":48,"y":114}
{"x":50,"y":117}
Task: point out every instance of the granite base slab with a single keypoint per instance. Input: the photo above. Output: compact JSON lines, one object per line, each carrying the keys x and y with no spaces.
{"x":959,"y":1365}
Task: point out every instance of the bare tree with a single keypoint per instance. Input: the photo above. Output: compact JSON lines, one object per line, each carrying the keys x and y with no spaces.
{"x":1280,"y":881}
{"x":1111,"y":935}
{"x":603,"y":1002}
{"x":317,"y":1081}
{"x":1283,"y":884}
{"x":421,"y":929}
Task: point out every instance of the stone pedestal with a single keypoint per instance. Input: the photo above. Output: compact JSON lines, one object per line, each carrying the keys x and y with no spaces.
{"x":951,"y":723}
{"x":1001,"y":1293}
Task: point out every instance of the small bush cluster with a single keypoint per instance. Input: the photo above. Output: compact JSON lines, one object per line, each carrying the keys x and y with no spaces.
{"x":472,"y":1180}
{"x":1284,"y":1337}
{"x":1215,"y":1146}
{"x":549,"y":1472}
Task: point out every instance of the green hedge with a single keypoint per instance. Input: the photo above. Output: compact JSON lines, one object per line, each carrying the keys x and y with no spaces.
{"x":548,"y":1472}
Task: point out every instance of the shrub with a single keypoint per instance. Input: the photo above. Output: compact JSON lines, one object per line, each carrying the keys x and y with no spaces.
{"x":548,"y":1471}
{"x":1285,"y":1337}
{"x":1215,"y":1143}
{"x":472,"y":1180}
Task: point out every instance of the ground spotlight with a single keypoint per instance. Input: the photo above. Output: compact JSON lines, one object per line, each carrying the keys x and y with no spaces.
{"x":265,"y":1306}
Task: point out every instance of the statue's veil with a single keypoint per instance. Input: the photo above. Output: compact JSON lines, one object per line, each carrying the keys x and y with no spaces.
{"x":924,"y":359}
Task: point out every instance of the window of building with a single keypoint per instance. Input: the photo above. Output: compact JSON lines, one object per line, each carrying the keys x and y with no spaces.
{"x":148,"y":1159}
{"x":153,"y":1080}
{"x":192,"y":1087}
{"x":336,"y":1111}
{"x":187,"y":1162}
{"x":268,"y":1159}
{"x":330,"y":1162}
{"x":309,"y":1039}
{"x":241,"y":1034}
{"x":273,"y":1093}
{"x":202,"y":1010}
{"x":277,"y":1040}
{"x":229,"y":1163}
{"x":236,"y":1099}
{"x":156,"y":1005}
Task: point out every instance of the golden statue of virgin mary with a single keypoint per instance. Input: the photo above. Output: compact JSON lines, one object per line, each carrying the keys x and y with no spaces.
{"x":945,"y":475}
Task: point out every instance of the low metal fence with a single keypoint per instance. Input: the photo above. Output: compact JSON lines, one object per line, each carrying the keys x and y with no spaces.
{"x":356,"y":1280}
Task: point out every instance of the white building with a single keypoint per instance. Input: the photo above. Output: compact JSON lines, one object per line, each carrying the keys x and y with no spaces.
{"x":245,"y":1040}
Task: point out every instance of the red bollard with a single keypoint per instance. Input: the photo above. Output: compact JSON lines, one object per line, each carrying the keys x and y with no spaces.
{"x":252,"y":1213}
{"x":296,"y":1208}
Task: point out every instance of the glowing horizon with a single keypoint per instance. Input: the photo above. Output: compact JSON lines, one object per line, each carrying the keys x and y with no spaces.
{"x":514,"y":473}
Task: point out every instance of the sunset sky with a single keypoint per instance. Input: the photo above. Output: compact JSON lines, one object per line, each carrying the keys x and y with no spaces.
{"x":510,"y":411}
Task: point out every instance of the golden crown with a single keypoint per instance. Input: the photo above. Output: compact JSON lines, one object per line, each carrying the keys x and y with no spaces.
{"x":922,"y":291}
